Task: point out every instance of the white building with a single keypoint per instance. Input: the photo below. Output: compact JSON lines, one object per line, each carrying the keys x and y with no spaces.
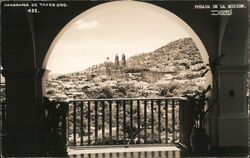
{"x":142,"y":85}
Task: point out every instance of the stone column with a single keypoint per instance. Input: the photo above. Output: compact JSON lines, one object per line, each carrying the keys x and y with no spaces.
{"x":25,"y":124}
{"x":232,"y":118}
{"x":229,"y":119}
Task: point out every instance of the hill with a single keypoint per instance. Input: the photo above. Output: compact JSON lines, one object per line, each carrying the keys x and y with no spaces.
{"x":171,"y":70}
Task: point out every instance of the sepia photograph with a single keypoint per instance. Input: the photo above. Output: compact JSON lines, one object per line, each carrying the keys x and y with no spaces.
{"x":125,"y":79}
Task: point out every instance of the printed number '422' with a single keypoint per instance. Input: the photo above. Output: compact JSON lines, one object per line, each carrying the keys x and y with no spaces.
{"x":33,"y":10}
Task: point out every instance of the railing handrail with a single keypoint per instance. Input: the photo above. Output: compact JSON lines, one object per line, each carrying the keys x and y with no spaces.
{"x":128,"y":99}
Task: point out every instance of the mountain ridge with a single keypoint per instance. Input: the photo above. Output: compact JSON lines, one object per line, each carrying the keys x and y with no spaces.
{"x":176,"y":66}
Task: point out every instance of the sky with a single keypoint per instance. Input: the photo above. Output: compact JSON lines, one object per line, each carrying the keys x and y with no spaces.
{"x":110,"y":29}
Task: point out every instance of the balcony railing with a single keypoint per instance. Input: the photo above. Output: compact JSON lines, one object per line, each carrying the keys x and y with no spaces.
{"x":123,"y":121}
{"x":128,"y":121}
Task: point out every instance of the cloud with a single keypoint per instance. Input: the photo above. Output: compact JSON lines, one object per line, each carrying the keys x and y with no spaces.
{"x":82,"y":24}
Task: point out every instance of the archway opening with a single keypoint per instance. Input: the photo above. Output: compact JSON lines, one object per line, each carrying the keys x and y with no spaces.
{"x":77,"y":47}
{"x":101,"y":55}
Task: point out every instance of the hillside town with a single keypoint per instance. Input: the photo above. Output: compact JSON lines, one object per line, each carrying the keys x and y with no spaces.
{"x":171,"y":70}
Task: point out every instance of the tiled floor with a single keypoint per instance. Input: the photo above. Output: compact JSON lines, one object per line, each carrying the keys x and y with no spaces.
{"x":155,"y":154}
{"x":131,"y":152}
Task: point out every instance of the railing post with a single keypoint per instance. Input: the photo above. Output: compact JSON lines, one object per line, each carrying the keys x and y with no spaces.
{"x":64,"y":122}
{"x":181,"y":123}
{"x":159,"y":120}
{"x":186,"y":124}
{"x":110,"y":121}
{"x":81,"y":123}
{"x":145,"y":121}
{"x":139,"y":120}
{"x":131,"y":119}
{"x":103,"y":121}
{"x":173,"y":119}
{"x":152,"y":120}
{"x":124,"y":121}
{"x":68,"y":120}
{"x":117,"y":121}
{"x":166,"y":120}
{"x":89,"y":114}
{"x":96,"y":121}
{"x":74,"y":124}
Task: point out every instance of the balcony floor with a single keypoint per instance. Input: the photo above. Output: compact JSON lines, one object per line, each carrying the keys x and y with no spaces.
{"x":142,"y":151}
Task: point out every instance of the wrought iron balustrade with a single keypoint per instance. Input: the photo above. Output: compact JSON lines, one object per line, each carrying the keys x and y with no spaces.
{"x":128,"y":121}
{"x":91,"y":122}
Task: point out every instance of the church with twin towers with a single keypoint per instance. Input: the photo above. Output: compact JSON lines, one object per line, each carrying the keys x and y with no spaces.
{"x":116,"y":67}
